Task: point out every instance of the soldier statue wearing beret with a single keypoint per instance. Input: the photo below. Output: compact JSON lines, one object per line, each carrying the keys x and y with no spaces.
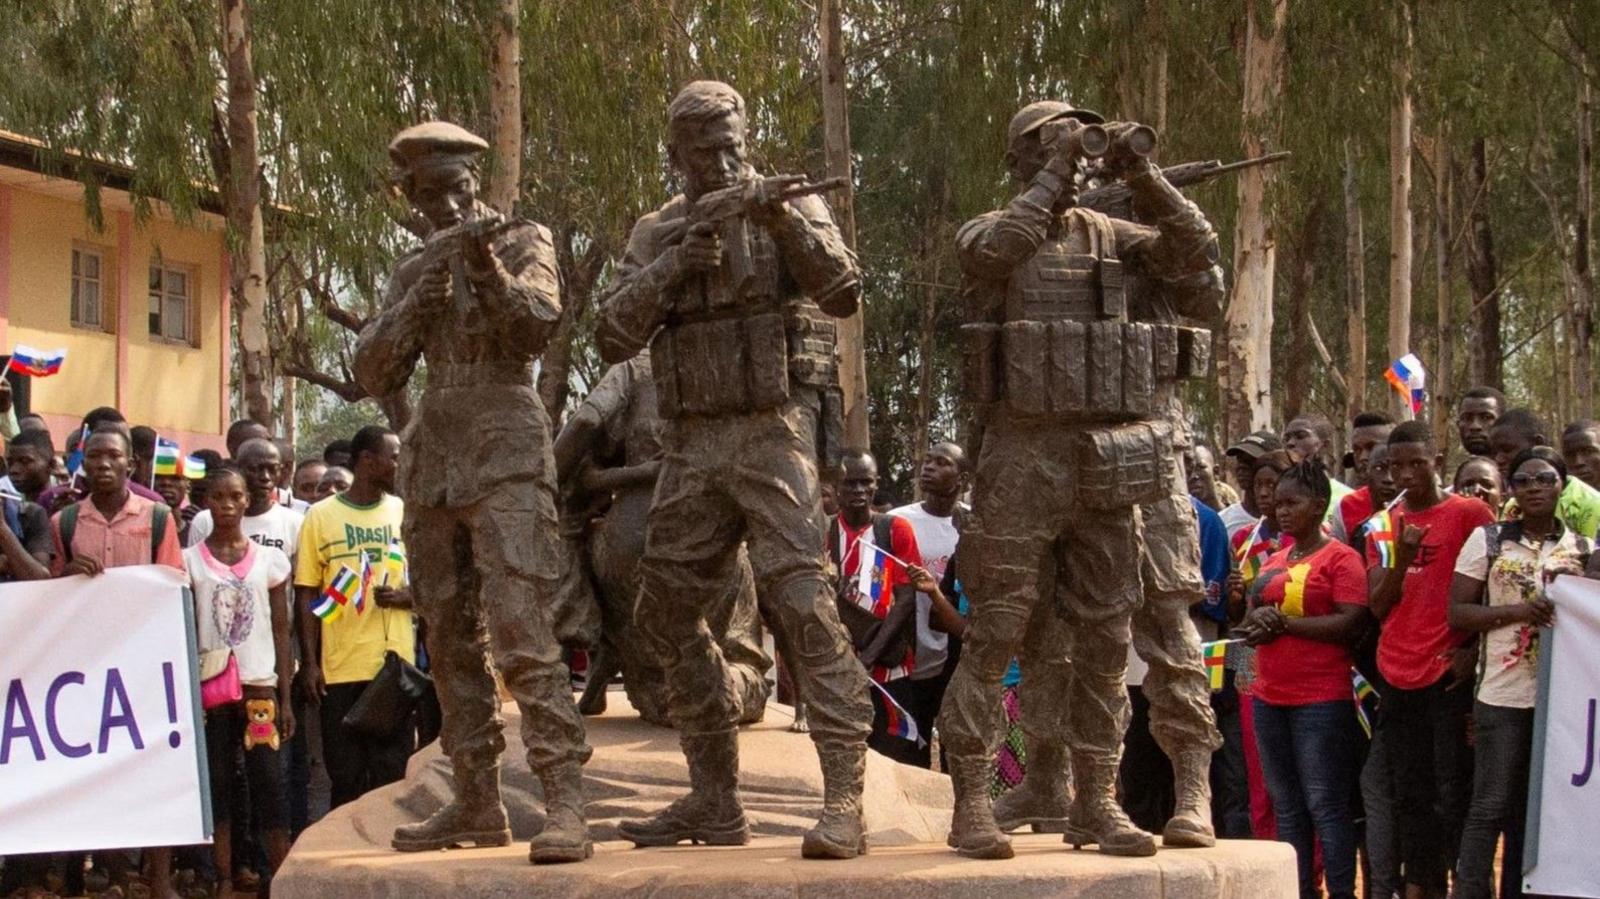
{"x":479,"y":300}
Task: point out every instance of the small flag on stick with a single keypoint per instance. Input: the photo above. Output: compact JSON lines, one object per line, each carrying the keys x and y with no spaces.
{"x":1215,"y":653}
{"x":394,"y":563}
{"x":194,"y":468}
{"x":167,"y":462}
{"x":1364,"y":693}
{"x":899,"y":721}
{"x":36,"y":363}
{"x":1407,"y":376}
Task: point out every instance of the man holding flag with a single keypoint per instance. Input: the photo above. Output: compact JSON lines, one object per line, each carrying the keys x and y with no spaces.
{"x":876,"y":555}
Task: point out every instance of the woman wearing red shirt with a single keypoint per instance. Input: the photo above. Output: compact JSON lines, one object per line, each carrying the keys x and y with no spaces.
{"x":1308,"y":605}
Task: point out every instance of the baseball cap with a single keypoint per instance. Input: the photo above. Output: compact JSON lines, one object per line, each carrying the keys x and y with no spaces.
{"x":1256,"y":445}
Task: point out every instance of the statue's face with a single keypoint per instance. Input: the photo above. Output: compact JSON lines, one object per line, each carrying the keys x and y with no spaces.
{"x":444,"y":194}
{"x":710,"y":154}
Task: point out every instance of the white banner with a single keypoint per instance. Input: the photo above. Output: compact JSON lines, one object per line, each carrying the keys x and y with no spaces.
{"x":101,"y":743}
{"x":1565,"y":780}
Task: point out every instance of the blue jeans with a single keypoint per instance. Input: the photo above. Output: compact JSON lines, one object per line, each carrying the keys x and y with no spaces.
{"x":1503,"y":750}
{"x":1309,"y":758}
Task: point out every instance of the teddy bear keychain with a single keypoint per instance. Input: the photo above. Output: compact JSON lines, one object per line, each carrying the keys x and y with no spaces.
{"x":261,"y":727}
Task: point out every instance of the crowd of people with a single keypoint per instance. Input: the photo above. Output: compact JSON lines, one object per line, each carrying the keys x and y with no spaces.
{"x":1380,"y":613}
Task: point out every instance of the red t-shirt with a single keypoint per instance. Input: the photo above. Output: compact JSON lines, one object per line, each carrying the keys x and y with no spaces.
{"x":1295,"y":670}
{"x":1416,"y":641}
{"x":847,"y":554}
{"x":1354,"y":510}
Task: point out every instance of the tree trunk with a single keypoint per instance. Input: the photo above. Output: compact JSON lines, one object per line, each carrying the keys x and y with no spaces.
{"x":247,"y":248}
{"x":1444,"y":399}
{"x":1582,"y":333}
{"x":1302,"y":275}
{"x":1483,"y":277}
{"x":505,"y":106}
{"x":1400,"y":202}
{"x":1355,"y":290}
{"x":1247,"y":357}
{"x":836,"y":153}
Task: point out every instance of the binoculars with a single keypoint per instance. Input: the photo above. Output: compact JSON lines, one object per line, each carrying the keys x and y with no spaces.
{"x":1117,"y":138}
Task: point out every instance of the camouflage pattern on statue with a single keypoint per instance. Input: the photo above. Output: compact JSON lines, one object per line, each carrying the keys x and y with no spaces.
{"x":735,"y":310}
{"x":479,"y":301}
{"x":1069,"y":386}
{"x":608,"y":457}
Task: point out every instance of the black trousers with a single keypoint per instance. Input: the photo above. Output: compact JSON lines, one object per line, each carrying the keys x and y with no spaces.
{"x":1432,"y":776}
{"x":357,"y":762}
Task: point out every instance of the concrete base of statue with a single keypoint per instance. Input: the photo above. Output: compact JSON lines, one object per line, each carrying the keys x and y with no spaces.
{"x":637,"y":769}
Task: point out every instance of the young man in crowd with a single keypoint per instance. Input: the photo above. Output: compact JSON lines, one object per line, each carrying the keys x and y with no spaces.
{"x":1244,"y":455}
{"x":29,"y":459}
{"x":337,"y":454}
{"x":1200,"y":467}
{"x":1580,"y":449}
{"x":1368,"y":431}
{"x":307,"y":475}
{"x":1428,"y":665}
{"x":1476,"y":414}
{"x":242,"y":430}
{"x":144,"y":455}
{"x":884,"y":635}
{"x":1519,"y":430}
{"x":265,"y":521}
{"x":336,"y":479}
{"x":115,"y":526}
{"x":54,"y":499}
{"x":341,"y":656}
{"x":936,"y":523}
{"x":1311,"y":437}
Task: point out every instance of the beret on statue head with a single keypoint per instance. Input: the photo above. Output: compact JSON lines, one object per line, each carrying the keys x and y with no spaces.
{"x":435,"y":143}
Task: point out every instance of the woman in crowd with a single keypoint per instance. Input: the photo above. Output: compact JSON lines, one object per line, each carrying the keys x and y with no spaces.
{"x":242,"y":612}
{"x":1498,"y":592}
{"x":1478,"y":476}
{"x":1252,"y":546}
{"x":1307,"y":607}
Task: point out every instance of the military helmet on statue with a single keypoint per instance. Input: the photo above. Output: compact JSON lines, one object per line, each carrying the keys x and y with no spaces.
{"x":1033,"y":116}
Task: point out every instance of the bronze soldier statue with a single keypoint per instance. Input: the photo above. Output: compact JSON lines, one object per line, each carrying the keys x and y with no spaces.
{"x":1069,"y":382}
{"x":733,"y":286}
{"x":608,"y":457}
{"x":479,"y":300}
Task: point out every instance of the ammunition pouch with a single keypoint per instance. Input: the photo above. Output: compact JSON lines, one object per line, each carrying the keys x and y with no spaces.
{"x":1123,"y":466}
{"x":727,"y":365}
{"x":830,"y":428}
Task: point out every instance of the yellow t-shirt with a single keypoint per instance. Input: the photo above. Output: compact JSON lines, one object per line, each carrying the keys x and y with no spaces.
{"x":335,"y":534}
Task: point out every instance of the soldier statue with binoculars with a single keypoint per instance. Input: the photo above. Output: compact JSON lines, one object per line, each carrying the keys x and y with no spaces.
{"x":1073,"y":378}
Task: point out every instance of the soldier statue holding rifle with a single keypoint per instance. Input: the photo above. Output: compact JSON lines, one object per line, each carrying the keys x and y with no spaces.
{"x":734,"y":287}
{"x":479,"y":300}
{"x":1070,"y":381}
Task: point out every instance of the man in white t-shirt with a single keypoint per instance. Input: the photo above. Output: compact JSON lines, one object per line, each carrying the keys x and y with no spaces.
{"x":944,"y":476}
{"x":265,"y":521}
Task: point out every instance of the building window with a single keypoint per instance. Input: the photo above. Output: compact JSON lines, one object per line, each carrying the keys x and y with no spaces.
{"x":171,"y":309}
{"x":88,"y":288}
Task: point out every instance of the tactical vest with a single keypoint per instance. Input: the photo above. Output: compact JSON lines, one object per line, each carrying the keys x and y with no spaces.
{"x":741,"y":338}
{"x":1066,"y":350}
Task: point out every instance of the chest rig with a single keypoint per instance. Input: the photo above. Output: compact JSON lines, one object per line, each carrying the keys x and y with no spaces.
{"x":740,"y":338}
{"x":1066,"y":350}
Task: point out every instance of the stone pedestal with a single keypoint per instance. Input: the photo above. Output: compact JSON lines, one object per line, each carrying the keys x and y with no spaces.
{"x":638,"y":768}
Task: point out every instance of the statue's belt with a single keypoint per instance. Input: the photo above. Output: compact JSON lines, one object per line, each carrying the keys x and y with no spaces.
{"x":468,"y":374}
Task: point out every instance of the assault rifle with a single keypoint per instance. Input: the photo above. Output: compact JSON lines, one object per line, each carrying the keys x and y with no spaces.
{"x":1116,"y":200}
{"x":449,"y":244}
{"x":729,"y":208}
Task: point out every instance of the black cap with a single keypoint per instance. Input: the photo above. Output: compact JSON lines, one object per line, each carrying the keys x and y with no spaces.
{"x":1256,"y":445}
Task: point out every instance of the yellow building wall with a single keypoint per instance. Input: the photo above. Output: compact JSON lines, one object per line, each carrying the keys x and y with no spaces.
{"x":169,"y":386}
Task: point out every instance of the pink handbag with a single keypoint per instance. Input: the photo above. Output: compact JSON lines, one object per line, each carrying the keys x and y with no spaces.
{"x":223,"y":688}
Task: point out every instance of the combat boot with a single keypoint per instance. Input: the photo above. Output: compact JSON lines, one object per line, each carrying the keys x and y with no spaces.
{"x":1190,"y":825}
{"x":711,"y":813}
{"x":972,"y":829}
{"x":1096,"y":818}
{"x":1043,"y":797}
{"x":474,"y":816}
{"x":840,"y":833}
{"x":565,"y":837}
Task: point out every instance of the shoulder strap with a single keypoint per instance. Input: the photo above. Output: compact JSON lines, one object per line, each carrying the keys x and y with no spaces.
{"x":883,"y":531}
{"x":69,"y":527}
{"x":833,"y":540}
{"x":1491,"y":541}
{"x":158,"y":528}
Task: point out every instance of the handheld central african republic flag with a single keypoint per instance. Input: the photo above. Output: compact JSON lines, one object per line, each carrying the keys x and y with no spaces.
{"x":1381,"y":531}
{"x":394,"y":563}
{"x":1407,"y":376}
{"x":1362,"y":689}
{"x":194,"y":468}
{"x":345,"y":586}
{"x":899,"y":721}
{"x":166,"y":459}
{"x":1253,"y":554}
{"x":1215,"y":653}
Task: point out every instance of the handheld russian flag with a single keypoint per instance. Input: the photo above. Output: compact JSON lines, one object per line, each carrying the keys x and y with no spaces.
{"x":1362,"y":689}
{"x":75,"y":458}
{"x":1215,"y":653}
{"x":36,"y":363}
{"x":899,"y":721}
{"x":167,"y":462}
{"x":874,"y":578}
{"x":360,"y":599}
{"x":1407,"y":375}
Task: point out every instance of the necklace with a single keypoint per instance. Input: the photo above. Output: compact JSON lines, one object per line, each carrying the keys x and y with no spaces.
{"x":1300,"y":550}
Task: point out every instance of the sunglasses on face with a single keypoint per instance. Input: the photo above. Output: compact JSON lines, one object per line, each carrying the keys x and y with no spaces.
{"x":1543,"y":479}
